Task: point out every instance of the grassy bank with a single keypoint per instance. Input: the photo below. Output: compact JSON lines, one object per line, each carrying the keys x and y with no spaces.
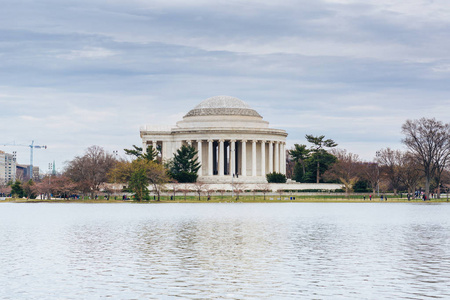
{"x":242,"y":198}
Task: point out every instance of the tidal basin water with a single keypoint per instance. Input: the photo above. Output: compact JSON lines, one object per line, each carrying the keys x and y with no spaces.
{"x":225,"y":251}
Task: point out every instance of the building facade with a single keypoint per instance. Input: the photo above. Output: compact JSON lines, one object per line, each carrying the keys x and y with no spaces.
{"x":230,"y":137}
{"x":7,"y":167}
{"x":23,"y":172}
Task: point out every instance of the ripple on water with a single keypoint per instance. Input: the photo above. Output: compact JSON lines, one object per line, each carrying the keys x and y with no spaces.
{"x":224,"y":251}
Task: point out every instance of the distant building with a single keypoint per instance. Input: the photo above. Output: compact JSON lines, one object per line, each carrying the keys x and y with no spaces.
{"x":7,"y":167}
{"x":231,"y":139}
{"x":23,"y":172}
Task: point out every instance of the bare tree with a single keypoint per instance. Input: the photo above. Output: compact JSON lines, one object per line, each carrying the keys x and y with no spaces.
{"x":209,"y":191}
{"x":390,"y":162}
{"x":91,"y":170}
{"x":264,"y":188}
{"x":280,"y":192}
{"x":441,"y":165}
{"x":28,"y":188}
{"x":370,"y":171}
{"x":199,"y":188}
{"x":238,"y":189}
{"x":446,"y":181}
{"x":384,"y":186}
{"x":429,"y":140}
{"x":410,"y":172}
{"x":62,"y":186}
{"x":347,"y":169}
{"x":254,"y":191}
{"x":174,"y":190}
{"x":20,"y":176}
{"x":157,"y":177}
{"x":4,"y":190}
{"x":185,"y":190}
{"x":221,"y":192}
{"x":43,"y":188}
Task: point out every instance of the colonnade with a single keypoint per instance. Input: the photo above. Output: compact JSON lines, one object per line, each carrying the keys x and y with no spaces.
{"x":240,"y":157}
{"x":225,"y":157}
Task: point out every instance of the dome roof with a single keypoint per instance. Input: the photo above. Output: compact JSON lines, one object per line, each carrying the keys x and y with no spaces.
{"x":222,"y":105}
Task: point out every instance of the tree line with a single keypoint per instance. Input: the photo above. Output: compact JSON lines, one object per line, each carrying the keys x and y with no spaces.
{"x":425,"y":164}
{"x":90,"y":173}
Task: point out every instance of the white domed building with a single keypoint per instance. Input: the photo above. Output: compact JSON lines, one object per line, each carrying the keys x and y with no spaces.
{"x":231,"y":139}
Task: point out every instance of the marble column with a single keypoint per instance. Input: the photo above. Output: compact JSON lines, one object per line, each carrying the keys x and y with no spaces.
{"x":199,"y":156}
{"x":221,"y":158}
{"x":283,"y":158}
{"x":270,"y":157}
{"x":210,"y":158}
{"x":263,"y":158}
{"x":244,"y":158}
{"x":253,"y":158}
{"x":164,"y":154}
{"x":233,"y":158}
{"x":277,"y":157}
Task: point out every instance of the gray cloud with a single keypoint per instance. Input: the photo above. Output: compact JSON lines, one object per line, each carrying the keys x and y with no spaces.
{"x":77,"y":73}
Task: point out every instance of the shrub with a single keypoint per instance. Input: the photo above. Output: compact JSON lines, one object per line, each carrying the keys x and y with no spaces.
{"x":361,"y":186}
{"x":184,"y":177}
{"x":276,"y":177}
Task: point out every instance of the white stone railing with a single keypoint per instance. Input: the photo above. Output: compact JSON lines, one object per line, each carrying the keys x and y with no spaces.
{"x":157,"y":128}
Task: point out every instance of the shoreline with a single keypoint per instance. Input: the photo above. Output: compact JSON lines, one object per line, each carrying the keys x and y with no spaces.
{"x":228,"y":199}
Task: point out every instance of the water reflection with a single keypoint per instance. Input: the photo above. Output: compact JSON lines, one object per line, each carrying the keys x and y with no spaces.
{"x":224,"y":251}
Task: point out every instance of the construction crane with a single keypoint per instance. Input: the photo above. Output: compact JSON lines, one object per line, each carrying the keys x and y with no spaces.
{"x":32,"y":146}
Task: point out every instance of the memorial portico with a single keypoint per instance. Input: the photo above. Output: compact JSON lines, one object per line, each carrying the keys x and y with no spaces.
{"x":230,"y":138}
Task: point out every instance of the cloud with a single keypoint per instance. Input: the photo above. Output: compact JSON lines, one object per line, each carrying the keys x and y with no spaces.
{"x":77,"y":73}
{"x":88,"y":52}
{"x":442,"y":68}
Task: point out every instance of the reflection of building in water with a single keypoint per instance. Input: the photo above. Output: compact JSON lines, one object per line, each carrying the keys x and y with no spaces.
{"x":230,"y":137}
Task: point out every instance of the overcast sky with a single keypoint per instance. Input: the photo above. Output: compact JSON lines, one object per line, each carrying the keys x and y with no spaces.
{"x":80,"y":73}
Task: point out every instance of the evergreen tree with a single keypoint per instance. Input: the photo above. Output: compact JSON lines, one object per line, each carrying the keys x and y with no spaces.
{"x":299,"y":154}
{"x":361,"y":186}
{"x":151,"y":154}
{"x":323,"y":160}
{"x":318,"y":148}
{"x":17,"y":190}
{"x":185,"y":165}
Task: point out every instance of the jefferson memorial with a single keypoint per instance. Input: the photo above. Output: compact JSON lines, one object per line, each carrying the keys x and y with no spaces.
{"x":230,"y":137}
